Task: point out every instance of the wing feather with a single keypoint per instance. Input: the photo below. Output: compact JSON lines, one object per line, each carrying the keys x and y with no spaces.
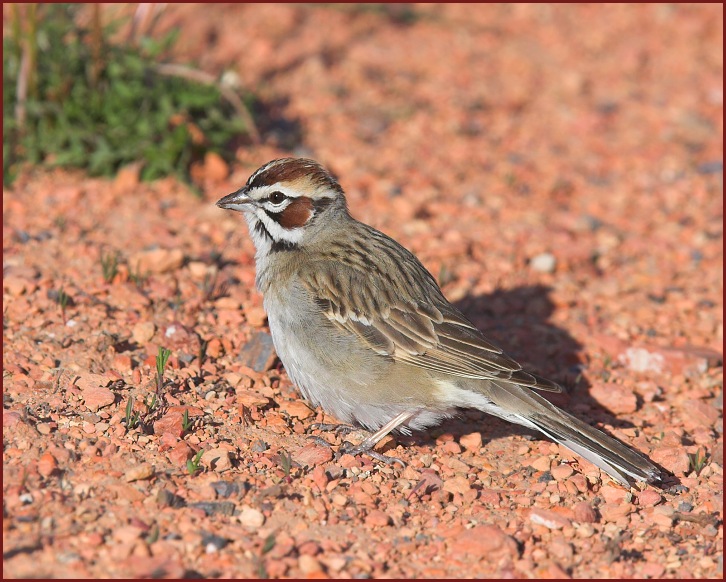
{"x":407,"y":318}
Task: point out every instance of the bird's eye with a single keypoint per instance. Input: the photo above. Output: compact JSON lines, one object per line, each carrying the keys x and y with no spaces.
{"x":277,"y":197}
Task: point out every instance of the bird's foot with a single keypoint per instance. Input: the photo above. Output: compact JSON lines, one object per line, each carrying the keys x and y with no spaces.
{"x":364,"y":448}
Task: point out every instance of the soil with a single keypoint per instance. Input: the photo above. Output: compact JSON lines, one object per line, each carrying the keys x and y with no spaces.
{"x":559,"y":169}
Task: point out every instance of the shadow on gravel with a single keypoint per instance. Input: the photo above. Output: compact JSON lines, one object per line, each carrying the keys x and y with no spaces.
{"x":276,"y":128}
{"x":518,"y":321}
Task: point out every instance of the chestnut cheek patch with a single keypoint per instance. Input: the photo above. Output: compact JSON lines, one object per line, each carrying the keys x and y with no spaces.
{"x":297,"y":213}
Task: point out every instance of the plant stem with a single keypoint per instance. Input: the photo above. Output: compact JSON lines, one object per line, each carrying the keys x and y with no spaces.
{"x":184,"y":72}
{"x":96,"y":45}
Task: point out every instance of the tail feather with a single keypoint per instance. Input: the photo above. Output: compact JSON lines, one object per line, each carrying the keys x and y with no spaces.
{"x":612,"y":456}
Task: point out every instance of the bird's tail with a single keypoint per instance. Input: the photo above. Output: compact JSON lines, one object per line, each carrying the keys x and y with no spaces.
{"x":525,"y":407}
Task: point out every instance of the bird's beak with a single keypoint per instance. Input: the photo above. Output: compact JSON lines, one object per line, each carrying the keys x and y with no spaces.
{"x":236,"y":200}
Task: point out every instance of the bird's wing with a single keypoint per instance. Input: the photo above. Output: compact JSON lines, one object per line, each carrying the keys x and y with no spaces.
{"x":407,"y":318}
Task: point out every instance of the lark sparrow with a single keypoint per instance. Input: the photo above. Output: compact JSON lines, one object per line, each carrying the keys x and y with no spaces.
{"x":364,"y":331}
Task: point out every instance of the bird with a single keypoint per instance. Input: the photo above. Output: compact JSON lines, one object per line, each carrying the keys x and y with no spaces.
{"x":365,"y":332}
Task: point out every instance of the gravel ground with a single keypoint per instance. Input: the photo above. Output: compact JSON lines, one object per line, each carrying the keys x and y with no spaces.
{"x":559,"y":169}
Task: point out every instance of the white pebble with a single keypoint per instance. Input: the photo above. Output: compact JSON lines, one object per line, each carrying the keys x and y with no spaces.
{"x":544,"y":263}
{"x":251,"y":517}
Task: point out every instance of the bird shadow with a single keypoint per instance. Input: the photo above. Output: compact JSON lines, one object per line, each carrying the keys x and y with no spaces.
{"x":518,"y":321}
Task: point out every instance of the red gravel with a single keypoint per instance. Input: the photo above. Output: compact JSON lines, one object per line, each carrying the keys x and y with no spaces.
{"x":559,"y":170}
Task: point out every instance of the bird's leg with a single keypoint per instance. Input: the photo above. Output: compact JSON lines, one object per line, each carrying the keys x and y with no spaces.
{"x":366,"y":446}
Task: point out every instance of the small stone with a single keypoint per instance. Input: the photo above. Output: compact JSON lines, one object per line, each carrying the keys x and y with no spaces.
{"x":256,"y":316}
{"x":198,"y":270}
{"x":339,"y":500}
{"x":348,"y":461}
{"x":94,"y":395}
{"x":296,"y":409}
{"x":47,"y":464}
{"x":178,"y":337}
{"x":386,"y":444}
{"x":15,"y":285}
{"x":217,"y":459}
{"x":548,"y":519}
{"x":127,"y":178}
{"x":122,"y":363}
{"x":250,"y":517}
{"x":663,"y":516}
{"x":213,"y":543}
{"x":614,"y":511}
{"x":309,"y":564}
{"x":215,"y":168}
{"x":482,"y":540}
{"x":675,"y":459}
{"x":649,"y":498}
{"x":309,"y":548}
{"x":165,"y":498}
{"x":180,"y":453}
{"x":700,"y":413}
{"x":258,"y":353}
{"x":457,"y":484}
{"x":172,"y":422}
{"x":544,"y":263}
{"x":452,"y":447}
{"x":11,"y":418}
{"x":687,"y":360}
{"x":584,"y":512}
{"x":312,"y":454}
{"x":143,"y":331}
{"x":156,"y":261}
{"x":471,"y":441}
{"x":250,"y":398}
{"x":642,"y":360}
{"x":43,"y":428}
{"x":139,"y":473}
{"x":126,"y":533}
{"x":541,"y":464}
{"x":561,"y":472}
{"x":617,"y":398}
{"x":561,"y":550}
{"x":378,"y":518}
{"x":652,"y":570}
{"x":585,"y":531}
{"x":614,"y":494}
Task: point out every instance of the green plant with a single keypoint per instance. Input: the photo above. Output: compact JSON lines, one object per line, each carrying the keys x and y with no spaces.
{"x":161,"y":360}
{"x":63,"y":300}
{"x":203,"y":345}
{"x":72,"y":98}
{"x":153,"y":403}
{"x":109,"y":265}
{"x":153,"y":534}
{"x":186,"y":423}
{"x":136,"y":276}
{"x":270,"y":542}
{"x":286,"y":464}
{"x":193,"y":463}
{"x":211,"y":288}
{"x":131,"y":417}
{"x":697,"y":461}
